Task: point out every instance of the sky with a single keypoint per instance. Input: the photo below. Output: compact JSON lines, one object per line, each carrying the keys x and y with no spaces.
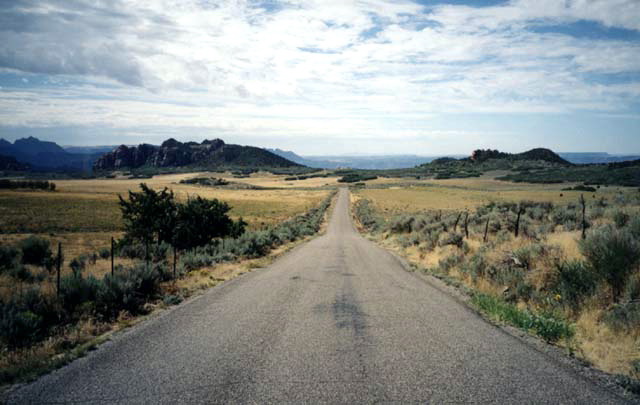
{"x":323,"y":77}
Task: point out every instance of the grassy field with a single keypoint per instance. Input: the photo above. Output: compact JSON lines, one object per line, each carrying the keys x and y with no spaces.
{"x":92,"y":205}
{"x":520,"y":280}
{"x":83,"y":215}
{"x":460,"y":194}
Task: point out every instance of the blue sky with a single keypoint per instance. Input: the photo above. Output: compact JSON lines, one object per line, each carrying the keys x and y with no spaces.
{"x":325,"y":76}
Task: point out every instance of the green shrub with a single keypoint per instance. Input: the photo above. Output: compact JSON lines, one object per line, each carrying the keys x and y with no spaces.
{"x":549,"y":326}
{"x":454,"y":239}
{"x":172,"y":299}
{"x":449,"y":262}
{"x":76,"y":290}
{"x":26,"y":318}
{"x":613,"y":254}
{"x":402,"y":224}
{"x":367,"y":217}
{"x":127,"y":290}
{"x":78,"y":264}
{"x":527,"y":255}
{"x":9,"y":257}
{"x":575,"y":282}
{"x":20,"y":272}
{"x":632,"y":290}
{"x":624,"y":316}
{"x":634,"y":227}
{"x":620,"y":218}
{"x":105,"y":253}
{"x":35,"y":251}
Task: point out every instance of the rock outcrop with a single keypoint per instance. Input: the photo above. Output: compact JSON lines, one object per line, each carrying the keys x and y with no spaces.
{"x":172,"y":153}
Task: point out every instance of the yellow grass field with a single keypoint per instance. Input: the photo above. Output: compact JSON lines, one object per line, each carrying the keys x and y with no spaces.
{"x":84,"y":214}
{"x":459,"y":194}
{"x":92,"y":205}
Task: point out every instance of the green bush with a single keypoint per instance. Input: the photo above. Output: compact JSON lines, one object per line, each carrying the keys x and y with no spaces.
{"x":76,"y":290}
{"x":634,"y":227}
{"x":475,"y":267}
{"x":26,"y":318}
{"x":549,"y":326}
{"x":613,"y":254}
{"x":20,"y":272}
{"x":454,"y":239}
{"x":445,"y":265}
{"x":620,"y":218}
{"x":632,"y":290}
{"x":575,"y":282}
{"x":78,"y":264}
{"x":127,"y":290}
{"x":9,"y":257}
{"x":104,"y":253}
{"x":366,"y":215}
{"x":35,"y":251}
{"x":624,"y":316}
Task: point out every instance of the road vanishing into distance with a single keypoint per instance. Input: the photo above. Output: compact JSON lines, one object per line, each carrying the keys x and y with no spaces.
{"x":336,"y":320}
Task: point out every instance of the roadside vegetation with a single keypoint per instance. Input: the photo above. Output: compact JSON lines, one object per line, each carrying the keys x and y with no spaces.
{"x":27,"y":184}
{"x":527,"y":264}
{"x":53,"y":307}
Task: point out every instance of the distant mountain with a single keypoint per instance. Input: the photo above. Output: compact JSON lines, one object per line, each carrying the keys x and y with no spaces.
{"x":210,"y":154}
{"x":596,"y":157}
{"x":90,"y":150}
{"x":381,"y":162}
{"x":9,"y":163}
{"x":45,"y":155}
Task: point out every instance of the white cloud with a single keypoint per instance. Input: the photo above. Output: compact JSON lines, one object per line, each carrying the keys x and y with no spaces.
{"x":330,"y":67}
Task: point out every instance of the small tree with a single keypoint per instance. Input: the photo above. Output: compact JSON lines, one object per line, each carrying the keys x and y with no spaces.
{"x":149,"y":215}
{"x":200,"y":220}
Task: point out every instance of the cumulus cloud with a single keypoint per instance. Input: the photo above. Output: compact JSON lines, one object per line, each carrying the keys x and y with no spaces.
{"x":328,"y":66}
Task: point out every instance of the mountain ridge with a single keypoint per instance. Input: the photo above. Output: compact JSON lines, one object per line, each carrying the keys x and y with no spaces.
{"x":212,"y":154}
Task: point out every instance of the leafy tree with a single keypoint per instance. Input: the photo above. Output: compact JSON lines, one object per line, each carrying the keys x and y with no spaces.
{"x":155,"y":216}
{"x":149,"y":215}
{"x":200,"y":220}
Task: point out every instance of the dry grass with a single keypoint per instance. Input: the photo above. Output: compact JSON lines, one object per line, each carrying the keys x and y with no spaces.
{"x":447,"y":197}
{"x":606,"y":349}
{"x":609,"y":351}
{"x":92,"y":205}
{"x":568,"y":242}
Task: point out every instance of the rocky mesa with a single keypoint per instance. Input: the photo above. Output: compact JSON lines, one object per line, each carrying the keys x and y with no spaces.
{"x":172,"y":153}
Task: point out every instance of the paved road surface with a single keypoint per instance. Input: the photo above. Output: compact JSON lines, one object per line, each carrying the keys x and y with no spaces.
{"x":336,"y":320}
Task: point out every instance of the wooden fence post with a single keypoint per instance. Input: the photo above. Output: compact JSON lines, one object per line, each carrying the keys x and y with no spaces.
{"x":58,"y":265}
{"x":112,"y":253}
{"x":517,"y":230}
{"x":486,"y":230}
{"x":175,"y":259}
{"x":466,"y":224}
{"x":455,"y":225}
{"x":584,"y":220}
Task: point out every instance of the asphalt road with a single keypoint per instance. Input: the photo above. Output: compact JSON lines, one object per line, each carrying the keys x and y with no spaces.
{"x":337,"y":320}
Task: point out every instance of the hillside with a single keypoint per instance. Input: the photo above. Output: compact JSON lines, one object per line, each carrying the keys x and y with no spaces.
{"x":596,"y":157}
{"x":9,"y":163}
{"x":210,"y":154}
{"x":45,"y":155}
